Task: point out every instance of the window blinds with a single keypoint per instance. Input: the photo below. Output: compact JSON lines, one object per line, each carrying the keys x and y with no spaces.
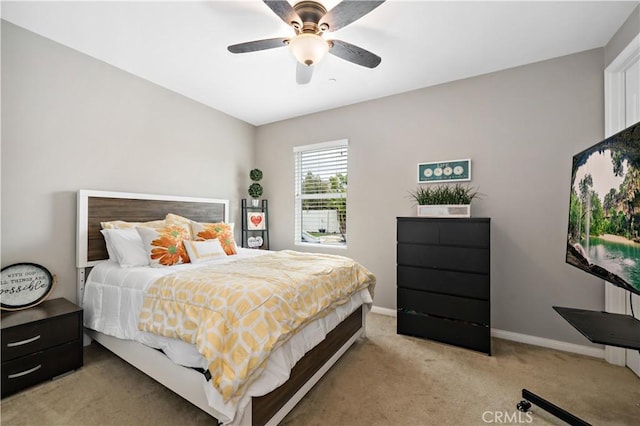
{"x":321,"y":192}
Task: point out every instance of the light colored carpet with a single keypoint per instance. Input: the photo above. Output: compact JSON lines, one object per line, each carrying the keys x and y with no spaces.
{"x":385,"y":379}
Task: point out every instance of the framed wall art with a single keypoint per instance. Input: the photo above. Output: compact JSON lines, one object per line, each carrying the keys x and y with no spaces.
{"x":444,"y":171}
{"x":255,"y":221}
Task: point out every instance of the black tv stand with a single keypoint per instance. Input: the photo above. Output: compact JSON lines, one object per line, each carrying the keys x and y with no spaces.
{"x":604,"y":327}
{"x":599,"y":327}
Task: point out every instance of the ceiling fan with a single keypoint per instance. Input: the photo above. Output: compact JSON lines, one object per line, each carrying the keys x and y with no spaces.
{"x":310,"y":20}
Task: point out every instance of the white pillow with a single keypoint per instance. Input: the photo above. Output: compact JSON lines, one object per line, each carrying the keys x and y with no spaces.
{"x":126,"y":246}
{"x":110,"y":250}
{"x":202,"y":251}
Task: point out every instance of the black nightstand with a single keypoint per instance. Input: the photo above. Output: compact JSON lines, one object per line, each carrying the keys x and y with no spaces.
{"x":40,"y":343}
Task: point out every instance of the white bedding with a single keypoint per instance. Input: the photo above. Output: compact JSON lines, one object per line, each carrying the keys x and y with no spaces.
{"x":113,"y":299}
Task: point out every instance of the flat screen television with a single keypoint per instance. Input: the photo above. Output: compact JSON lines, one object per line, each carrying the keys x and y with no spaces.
{"x":604,"y":210}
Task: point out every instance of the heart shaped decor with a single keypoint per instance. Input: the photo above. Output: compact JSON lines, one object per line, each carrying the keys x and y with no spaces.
{"x":256,"y":220}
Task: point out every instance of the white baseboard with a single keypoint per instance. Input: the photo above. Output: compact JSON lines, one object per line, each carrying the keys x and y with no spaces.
{"x":548,"y":343}
{"x":523,"y":338}
{"x":384,"y":311}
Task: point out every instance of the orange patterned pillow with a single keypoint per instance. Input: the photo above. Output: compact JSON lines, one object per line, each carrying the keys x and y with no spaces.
{"x":174,"y":219}
{"x":222,"y":231}
{"x":164,"y":246}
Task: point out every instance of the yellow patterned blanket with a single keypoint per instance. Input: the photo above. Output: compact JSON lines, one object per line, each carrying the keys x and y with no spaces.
{"x":238,"y":312}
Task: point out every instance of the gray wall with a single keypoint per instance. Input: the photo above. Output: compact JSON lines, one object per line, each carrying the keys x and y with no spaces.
{"x":621,"y":39}
{"x":71,"y":122}
{"x":520,"y":127}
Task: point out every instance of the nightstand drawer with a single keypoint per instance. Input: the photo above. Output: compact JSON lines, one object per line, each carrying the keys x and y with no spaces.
{"x":36,"y":336}
{"x":40,"y":366}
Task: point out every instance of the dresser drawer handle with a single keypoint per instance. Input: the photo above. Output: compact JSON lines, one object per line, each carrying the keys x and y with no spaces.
{"x":23,"y":342}
{"x":24,"y":373}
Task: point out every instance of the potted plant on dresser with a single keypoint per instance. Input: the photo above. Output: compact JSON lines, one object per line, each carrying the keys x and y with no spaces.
{"x":444,"y":200}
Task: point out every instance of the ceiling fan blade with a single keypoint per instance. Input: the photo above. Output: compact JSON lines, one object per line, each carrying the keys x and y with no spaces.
{"x":252,"y":46}
{"x":347,"y":12}
{"x":284,"y":10}
{"x":303,"y":73}
{"x":353,"y":53}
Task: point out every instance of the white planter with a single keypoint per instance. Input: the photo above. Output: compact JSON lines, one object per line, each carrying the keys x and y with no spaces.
{"x":449,"y":210}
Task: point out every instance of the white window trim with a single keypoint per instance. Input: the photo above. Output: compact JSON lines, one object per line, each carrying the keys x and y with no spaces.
{"x":297,"y":237}
{"x":614,"y":94}
{"x":332,"y":144}
{"x":320,"y":245}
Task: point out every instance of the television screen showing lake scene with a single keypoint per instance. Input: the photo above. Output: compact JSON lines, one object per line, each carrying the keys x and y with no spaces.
{"x":604,"y":212}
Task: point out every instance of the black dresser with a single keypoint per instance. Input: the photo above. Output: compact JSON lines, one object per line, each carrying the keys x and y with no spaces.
{"x":443,"y":279}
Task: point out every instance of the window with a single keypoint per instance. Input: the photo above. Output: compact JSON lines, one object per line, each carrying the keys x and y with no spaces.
{"x":321,"y":193}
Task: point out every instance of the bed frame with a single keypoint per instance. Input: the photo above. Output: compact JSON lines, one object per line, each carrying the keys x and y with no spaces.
{"x":98,"y":206}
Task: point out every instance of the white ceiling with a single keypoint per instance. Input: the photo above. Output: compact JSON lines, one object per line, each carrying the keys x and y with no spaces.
{"x":182,"y":46}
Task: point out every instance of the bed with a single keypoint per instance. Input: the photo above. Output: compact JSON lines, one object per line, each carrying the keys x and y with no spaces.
{"x":291,"y":369}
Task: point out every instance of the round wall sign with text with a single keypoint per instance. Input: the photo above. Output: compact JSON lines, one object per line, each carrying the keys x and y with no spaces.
{"x":24,"y":285}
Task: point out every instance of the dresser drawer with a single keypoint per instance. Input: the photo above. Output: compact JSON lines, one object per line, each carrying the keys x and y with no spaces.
{"x":40,"y":366}
{"x":466,"y":335}
{"x":465,"y":259}
{"x":467,"y":234}
{"x":446,"y":282}
{"x":454,"y":232}
{"x":36,"y":336}
{"x":418,"y":231}
{"x":442,"y":305}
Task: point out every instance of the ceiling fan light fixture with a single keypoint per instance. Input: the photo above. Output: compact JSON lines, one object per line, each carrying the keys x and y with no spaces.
{"x":308,"y":48}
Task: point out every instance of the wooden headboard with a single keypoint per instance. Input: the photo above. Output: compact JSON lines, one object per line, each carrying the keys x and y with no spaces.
{"x":101,"y":206}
